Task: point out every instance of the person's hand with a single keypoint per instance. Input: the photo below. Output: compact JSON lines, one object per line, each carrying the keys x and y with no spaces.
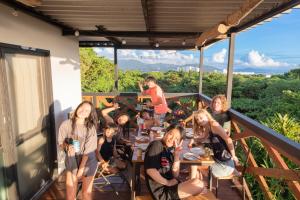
{"x":148,"y":104}
{"x":236,"y":160}
{"x":116,"y":105}
{"x":172,"y":182}
{"x":70,"y":150}
{"x":190,"y":145}
{"x":178,"y":148}
{"x":79,"y":173}
{"x":141,"y":83}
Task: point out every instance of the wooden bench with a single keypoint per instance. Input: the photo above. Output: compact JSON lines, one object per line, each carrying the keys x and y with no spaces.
{"x":208,"y":196}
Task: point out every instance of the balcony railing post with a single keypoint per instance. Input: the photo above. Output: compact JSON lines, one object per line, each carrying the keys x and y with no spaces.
{"x":230,"y":68}
{"x":201,"y":69}
{"x":116,"y":69}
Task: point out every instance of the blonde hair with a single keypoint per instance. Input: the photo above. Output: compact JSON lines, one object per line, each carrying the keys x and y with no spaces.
{"x":223,"y":102}
{"x":198,"y":128}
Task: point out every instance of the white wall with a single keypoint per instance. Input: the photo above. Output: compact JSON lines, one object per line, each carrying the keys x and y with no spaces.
{"x":64,"y":55}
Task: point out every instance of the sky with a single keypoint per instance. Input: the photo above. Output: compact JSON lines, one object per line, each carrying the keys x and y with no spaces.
{"x":271,"y":45}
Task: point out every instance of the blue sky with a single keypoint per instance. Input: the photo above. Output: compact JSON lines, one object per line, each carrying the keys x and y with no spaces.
{"x":273,"y":44}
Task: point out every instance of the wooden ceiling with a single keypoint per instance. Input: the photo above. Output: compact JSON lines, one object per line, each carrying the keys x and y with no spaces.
{"x":182,"y":21}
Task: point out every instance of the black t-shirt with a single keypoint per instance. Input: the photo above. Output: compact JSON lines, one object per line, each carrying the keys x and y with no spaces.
{"x":107,"y":149}
{"x":161,"y":158}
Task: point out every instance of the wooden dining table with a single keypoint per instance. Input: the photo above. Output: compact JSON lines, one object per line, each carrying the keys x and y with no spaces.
{"x":138,"y":161}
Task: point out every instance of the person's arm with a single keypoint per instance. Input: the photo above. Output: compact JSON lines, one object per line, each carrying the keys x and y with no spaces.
{"x":176,"y":164}
{"x":218,"y":130}
{"x":105,"y":114}
{"x":100,"y":142}
{"x":155,"y":175}
{"x":141,"y":87}
{"x":190,"y":145}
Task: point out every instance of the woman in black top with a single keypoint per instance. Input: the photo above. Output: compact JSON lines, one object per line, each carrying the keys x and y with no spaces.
{"x":162,"y":167}
{"x":106,"y":151}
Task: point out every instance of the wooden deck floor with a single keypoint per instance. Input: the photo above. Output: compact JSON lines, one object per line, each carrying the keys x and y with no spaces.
{"x":57,"y":190}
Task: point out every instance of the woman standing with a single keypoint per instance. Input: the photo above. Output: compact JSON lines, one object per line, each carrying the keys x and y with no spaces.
{"x":219,"y":108}
{"x":78,"y":138}
{"x":162,"y":166}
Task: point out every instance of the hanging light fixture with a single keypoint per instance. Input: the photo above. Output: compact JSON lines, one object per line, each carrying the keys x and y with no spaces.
{"x":196,"y":47}
{"x":156,"y":44}
{"x":15,"y":13}
{"x":76,"y":33}
{"x":123,"y":41}
{"x":183,"y":43}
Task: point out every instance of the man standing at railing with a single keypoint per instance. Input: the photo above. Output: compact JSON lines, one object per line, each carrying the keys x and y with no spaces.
{"x":158,"y":100}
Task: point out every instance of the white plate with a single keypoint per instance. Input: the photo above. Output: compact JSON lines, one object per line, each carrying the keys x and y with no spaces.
{"x":157,"y":128}
{"x":143,"y":146}
{"x":142,"y":138}
{"x":198,"y":151}
{"x":190,"y":156}
{"x":189,"y":130}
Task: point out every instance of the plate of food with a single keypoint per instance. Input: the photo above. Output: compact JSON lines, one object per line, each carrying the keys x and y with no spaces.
{"x":198,"y":151}
{"x":157,"y":128}
{"x":142,"y":139}
{"x":142,"y":146}
{"x":190,"y":156}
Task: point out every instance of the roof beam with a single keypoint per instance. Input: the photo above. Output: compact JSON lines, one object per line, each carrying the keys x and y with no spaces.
{"x":141,"y":34}
{"x":143,"y":47}
{"x":31,"y":3}
{"x":116,"y":41}
{"x":231,"y":20}
{"x":283,"y":7}
{"x":37,"y":14}
{"x":146,"y":18}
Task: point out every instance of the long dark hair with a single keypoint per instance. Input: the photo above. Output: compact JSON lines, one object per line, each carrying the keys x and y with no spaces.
{"x":178,"y":127}
{"x":91,"y":121}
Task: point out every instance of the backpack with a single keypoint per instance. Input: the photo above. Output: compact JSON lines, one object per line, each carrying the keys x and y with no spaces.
{"x":219,"y":147}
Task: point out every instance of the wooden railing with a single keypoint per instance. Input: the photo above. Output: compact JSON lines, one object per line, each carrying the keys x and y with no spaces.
{"x":244,"y":128}
{"x":277,"y":146}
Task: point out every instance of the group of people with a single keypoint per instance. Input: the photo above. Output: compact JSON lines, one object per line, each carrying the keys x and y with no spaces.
{"x":85,"y":152}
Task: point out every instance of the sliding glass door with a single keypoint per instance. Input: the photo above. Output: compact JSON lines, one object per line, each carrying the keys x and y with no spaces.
{"x":28,"y":110}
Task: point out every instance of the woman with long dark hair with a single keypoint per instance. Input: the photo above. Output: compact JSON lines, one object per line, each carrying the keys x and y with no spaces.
{"x":162,"y":166}
{"x":78,"y":138}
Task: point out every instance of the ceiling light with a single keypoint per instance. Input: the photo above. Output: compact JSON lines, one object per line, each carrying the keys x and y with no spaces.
{"x":196,"y":47}
{"x":15,"y":13}
{"x":183,"y":43}
{"x":156,"y":44}
{"x":76,"y":33}
{"x":123,"y":41}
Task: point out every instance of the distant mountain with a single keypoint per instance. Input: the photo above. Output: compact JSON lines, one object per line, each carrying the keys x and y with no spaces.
{"x":145,"y":67}
{"x":263,"y":70}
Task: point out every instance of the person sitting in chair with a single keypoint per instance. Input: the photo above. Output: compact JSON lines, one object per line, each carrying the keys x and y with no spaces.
{"x":162,"y":166}
{"x":148,"y":120}
{"x":107,"y":155}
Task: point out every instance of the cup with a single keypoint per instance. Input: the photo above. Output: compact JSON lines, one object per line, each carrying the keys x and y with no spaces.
{"x":76,"y":145}
{"x":139,"y":152}
{"x":207,"y":152}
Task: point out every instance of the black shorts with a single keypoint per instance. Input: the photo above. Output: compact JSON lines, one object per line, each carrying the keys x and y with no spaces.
{"x":166,"y":193}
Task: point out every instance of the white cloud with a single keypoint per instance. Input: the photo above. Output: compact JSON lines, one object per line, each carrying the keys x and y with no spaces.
{"x":219,"y":57}
{"x":256,"y":59}
{"x":150,"y":56}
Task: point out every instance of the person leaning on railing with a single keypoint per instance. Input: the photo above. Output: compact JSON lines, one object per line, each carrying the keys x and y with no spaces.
{"x":162,"y":166}
{"x":219,"y":111}
{"x":78,"y":138}
{"x":204,"y":127}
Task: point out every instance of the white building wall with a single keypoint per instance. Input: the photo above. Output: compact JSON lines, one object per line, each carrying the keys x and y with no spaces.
{"x":64,"y":56}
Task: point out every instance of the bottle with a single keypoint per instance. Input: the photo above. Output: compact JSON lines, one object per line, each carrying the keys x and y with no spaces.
{"x":140,"y":123}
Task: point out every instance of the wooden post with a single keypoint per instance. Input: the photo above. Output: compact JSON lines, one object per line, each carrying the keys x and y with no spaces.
{"x":230,"y":68}
{"x":116,"y":69}
{"x":201,"y":69}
